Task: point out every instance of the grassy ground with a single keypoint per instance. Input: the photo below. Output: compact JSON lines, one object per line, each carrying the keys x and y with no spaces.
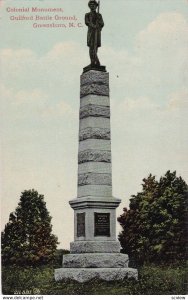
{"x":153,"y":280}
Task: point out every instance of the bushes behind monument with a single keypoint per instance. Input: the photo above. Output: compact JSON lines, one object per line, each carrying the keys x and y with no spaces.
{"x":155,"y":227}
{"x":27,"y":238}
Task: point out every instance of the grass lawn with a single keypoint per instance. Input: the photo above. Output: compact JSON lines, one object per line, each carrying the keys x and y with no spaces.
{"x":153,"y":280}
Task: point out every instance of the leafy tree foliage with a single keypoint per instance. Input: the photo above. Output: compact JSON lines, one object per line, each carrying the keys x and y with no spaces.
{"x":155,"y":225}
{"x":27,"y":238}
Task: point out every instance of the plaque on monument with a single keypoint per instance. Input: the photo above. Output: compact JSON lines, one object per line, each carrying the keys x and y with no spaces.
{"x":80,"y":224}
{"x":102,"y":224}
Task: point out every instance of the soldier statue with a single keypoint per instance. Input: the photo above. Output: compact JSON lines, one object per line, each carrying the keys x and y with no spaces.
{"x":95,"y":23}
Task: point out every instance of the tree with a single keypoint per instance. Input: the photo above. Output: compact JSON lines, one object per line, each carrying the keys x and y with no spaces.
{"x":155,"y":226}
{"x":27,"y":238}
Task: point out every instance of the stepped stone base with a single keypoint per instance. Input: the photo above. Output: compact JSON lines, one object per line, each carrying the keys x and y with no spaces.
{"x":86,"y":266}
{"x":95,"y":247}
{"x":83,"y":275}
{"x":96,"y":260}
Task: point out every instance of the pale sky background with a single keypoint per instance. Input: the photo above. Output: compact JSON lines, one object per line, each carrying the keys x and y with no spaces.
{"x":145,"y":49}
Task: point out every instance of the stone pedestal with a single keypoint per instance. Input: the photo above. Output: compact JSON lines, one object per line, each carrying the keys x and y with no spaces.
{"x":95,"y":251}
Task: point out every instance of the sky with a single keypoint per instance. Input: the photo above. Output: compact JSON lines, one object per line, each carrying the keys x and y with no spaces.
{"x":144,"y":48}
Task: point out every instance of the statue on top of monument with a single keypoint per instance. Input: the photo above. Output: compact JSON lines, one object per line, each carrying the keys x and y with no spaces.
{"x":95,"y":23}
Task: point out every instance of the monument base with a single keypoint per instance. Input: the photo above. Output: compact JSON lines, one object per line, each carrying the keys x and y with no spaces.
{"x":96,"y":260}
{"x":95,"y":68}
{"x":86,"y":266}
{"x":95,"y":247}
{"x":86,"y":274}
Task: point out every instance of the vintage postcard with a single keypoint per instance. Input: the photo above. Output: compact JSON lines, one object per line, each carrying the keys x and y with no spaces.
{"x":94,"y":104}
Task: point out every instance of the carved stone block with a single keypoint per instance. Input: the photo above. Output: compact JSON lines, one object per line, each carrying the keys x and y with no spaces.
{"x":95,"y":77}
{"x":94,"y":111}
{"x":94,"y":89}
{"x":94,"y":179}
{"x":87,"y":274}
{"x":95,"y":83}
{"x":95,"y":247}
{"x":94,"y":133}
{"x":96,"y":260}
{"x":94,"y":155}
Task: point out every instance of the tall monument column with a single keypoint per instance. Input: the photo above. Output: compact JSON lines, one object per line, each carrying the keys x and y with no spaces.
{"x":95,"y":251}
{"x":94,"y":207}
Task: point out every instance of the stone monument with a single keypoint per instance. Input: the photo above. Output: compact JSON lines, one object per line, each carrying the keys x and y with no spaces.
{"x":95,"y":251}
